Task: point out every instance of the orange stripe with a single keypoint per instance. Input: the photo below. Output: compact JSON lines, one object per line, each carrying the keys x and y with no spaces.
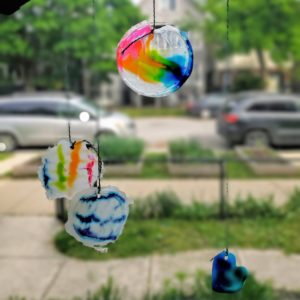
{"x":74,"y":164}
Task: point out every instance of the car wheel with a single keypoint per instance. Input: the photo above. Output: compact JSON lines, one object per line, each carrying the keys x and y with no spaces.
{"x":7,"y":142}
{"x":258,"y":138}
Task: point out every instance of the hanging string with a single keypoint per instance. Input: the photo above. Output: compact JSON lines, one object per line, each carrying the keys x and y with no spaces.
{"x":154,"y":14}
{"x":227,"y":239}
{"x":98,"y":115}
{"x":67,"y":82}
{"x":143,"y":36}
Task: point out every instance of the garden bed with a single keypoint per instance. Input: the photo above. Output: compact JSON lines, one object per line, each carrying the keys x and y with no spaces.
{"x":122,"y":156}
{"x":266,"y":162}
{"x":124,"y":168}
{"x":188,"y":158}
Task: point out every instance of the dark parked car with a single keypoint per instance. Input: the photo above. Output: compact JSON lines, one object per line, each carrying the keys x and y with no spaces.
{"x":207,"y":107}
{"x":261,"y":119}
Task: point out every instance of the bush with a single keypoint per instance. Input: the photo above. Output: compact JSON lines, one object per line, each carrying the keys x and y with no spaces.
{"x":167,"y":205}
{"x":254,"y":208}
{"x":158,"y":206}
{"x":247,"y":81}
{"x":292,"y":207}
{"x":188,"y":149}
{"x":201,"y":290}
{"x":119,"y":149}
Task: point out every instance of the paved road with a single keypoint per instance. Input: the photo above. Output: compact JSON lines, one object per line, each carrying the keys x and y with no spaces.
{"x":158,"y":131}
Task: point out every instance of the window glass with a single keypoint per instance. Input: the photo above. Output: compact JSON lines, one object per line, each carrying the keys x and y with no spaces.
{"x":259,"y":107}
{"x":283,"y":106}
{"x":30,"y":108}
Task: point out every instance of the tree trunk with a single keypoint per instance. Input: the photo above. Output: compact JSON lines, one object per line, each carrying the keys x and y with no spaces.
{"x":28,"y":72}
{"x":262,"y":64}
{"x":86,"y":79}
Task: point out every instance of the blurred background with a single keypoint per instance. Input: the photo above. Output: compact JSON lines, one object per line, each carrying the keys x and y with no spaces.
{"x":215,"y":164}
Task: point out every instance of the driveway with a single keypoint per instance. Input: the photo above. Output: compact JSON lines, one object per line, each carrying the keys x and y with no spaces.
{"x":158,"y":131}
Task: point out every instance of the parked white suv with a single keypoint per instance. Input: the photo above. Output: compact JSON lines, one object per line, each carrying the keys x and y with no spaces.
{"x":41,"y":120}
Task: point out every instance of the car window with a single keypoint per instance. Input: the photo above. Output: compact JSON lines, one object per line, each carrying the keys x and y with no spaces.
{"x":29,"y":108}
{"x":286,"y":106}
{"x":259,"y":107}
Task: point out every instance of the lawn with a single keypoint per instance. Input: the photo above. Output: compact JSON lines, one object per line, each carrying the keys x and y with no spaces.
{"x":145,"y":237}
{"x":4,"y":156}
{"x":154,"y":112}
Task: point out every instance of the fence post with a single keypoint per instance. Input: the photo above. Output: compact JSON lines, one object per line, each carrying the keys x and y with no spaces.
{"x":60,"y":209}
{"x":222,"y":190}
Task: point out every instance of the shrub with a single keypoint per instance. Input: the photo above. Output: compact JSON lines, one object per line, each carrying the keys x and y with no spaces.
{"x":109,"y":291}
{"x":201,"y":290}
{"x":197,"y":211}
{"x":120,"y":149}
{"x":167,"y":205}
{"x":252,"y":208}
{"x":188,"y":149}
{"x":292,"y":207}
{"x":247,"y":81}
{"x":157,"y":206}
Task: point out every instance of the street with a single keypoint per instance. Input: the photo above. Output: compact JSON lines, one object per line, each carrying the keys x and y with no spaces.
{"x":158,"y":131}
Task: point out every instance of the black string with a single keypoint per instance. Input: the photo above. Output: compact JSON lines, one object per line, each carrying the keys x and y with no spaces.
{"x":143,"y":36}
{"x":98,"y":120}
{"x":154,"y":14}
{"x":67,"y":85}
{"x":225,"y":165}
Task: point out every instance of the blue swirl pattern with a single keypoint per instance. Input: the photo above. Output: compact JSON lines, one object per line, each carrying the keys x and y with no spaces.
{"x":226,"y":276}
{"x":96,"y":222}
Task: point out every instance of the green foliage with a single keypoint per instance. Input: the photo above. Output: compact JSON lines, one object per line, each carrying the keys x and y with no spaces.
{"x":165,"y":225}
{"x":253,"y":25}
{"x":255,"y":208}
{"x":4,"y":156}
{"x":119,"y":149}
{"x":109,"y":291}
{"x":161,"y":236}
{"x":292,"y":207}
{"x":36,"y":39}
{"x":157,"y":206}
{"x":188,"y":149}
{"x":201,"y":290}
{"x":247,"y":81}
{"x":155,"y":166}
{"x":167,"y":205}
{"x":154,"y":112}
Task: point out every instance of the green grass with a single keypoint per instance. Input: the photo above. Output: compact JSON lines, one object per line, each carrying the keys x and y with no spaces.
{"x":4,"y":156}
{"x":154,"y":112}
{"x":238,"y":169}
{"x":189,"y":149}
{"x":145,"y":237}
{"x":155,"y":166}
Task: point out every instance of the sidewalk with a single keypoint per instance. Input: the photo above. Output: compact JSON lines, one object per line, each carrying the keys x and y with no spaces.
{"x":27,"y":197}
{"x":27,"y":257}
{"x":17,"y":159}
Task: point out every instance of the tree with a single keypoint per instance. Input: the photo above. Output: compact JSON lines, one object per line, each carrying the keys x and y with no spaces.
{"x":271,"y":25}
{"x":39,"y":39}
